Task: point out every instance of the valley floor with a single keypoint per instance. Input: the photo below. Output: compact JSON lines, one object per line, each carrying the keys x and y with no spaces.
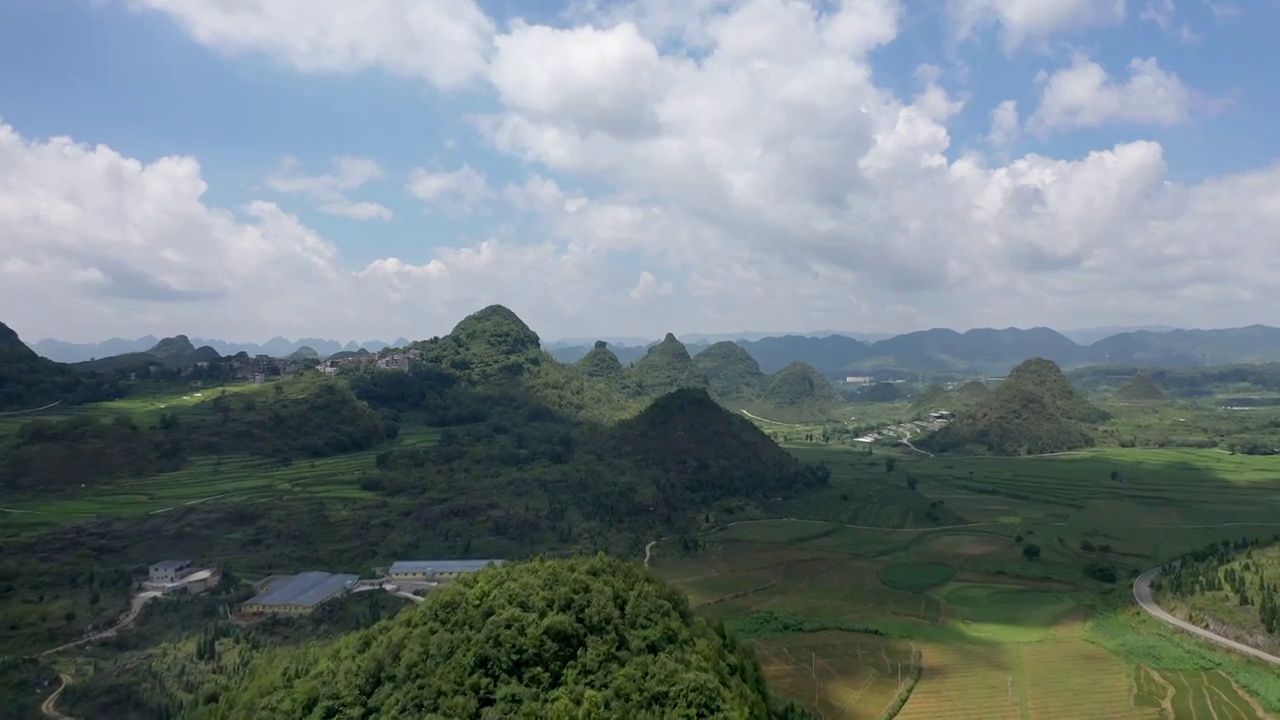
{"x":847,"y":592}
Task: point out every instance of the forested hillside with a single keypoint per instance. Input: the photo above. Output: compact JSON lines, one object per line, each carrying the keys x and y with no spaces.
{"x":798,"y":393}
{"x":1034,"y":411}
{"x":733,"y":376}
{"x":29,"y":381}
{"x":590,"y":637}
{"x":667,"y":367}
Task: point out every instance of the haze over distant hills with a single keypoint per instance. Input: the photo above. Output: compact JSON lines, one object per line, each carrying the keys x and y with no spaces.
{"x":68,"y":352}
{"x":940,"y":350}
{"x":987,"y":350}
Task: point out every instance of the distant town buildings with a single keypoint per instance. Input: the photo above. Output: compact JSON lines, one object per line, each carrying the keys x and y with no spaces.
{"x":859,"y":380}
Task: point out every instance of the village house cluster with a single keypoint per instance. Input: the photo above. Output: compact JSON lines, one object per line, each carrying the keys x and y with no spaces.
{"x":385,"y":359}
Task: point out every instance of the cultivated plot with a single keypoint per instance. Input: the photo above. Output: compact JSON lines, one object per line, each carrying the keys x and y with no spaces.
{"x":842,"y":675}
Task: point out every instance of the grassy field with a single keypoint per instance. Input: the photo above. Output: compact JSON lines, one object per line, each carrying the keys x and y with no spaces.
{"x":1001,"y":636}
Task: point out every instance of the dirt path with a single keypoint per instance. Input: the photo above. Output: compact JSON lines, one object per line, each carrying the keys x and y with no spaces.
{"x":1142,"y":593}
{"x":648,"y":552}
{"x":863,"y":527}
{"x":49,"y":708}
{"x":32,"y":410}
{"x":135,"y":607}
{"x":771,"y":422}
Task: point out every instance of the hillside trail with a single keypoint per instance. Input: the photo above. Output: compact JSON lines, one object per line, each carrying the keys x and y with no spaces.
{"x":859,"y":527}
{"x":648,"y":552}
{"x":1142,"y":594}
{"x":31,"y":410}
{"x":49,"y":708}
{"x":772,"y":422}
{"x":135,"y":607}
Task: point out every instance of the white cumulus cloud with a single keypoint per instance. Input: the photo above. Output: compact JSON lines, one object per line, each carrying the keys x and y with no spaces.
{"x":766,"y":180}
{"x":1085,"y":95}
{"x":445,"y":43}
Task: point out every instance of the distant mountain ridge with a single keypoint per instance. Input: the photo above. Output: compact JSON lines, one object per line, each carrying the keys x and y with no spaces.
{"x":66,"y":352}
{"x":990,"y":351}
{"x":940,"y":350}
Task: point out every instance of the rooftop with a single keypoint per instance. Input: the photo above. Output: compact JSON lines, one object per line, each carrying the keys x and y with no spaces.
{"x":307,"y":589}
{"x":170,"y":564}
{"x":440,"y":566}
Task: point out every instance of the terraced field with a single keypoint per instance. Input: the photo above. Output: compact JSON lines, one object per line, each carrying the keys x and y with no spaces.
{"x":208,"y":479}
{"x":844,"y":676}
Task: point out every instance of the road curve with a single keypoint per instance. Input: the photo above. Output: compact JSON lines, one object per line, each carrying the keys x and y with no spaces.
{"x":49,"y":708}
{"x":1142,"y":593}
{"x":135,"y":607}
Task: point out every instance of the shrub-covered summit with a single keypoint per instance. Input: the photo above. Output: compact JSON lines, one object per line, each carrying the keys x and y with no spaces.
{"x":667,"y":367}
{"x":710,"y":453}
{"x":798,"y":393}
{"x":602,"y":364}
{"x":555,"y":640}
{"x":173,"y":348}
{"x":1140,"y":387}
{"x":732,"y":374}
{"x":1035,"y":410}
{"x":491,"y":344}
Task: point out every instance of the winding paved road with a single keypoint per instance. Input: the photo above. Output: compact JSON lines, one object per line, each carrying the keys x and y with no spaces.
{"x":1142,"y":593}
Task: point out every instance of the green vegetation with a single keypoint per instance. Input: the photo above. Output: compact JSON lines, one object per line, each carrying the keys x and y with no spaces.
{"x":1185,"y":669}
{"x":914,"y":576}
{"x":602,"y":364}
{"x":548,"y":639}
{"x":308,"y":417}
{"x":28,"y":381}
{"x":1034,"y":411}
{"x":485,"y":456}
{"x":867,"y":579}
{"x":173,"y":349}
{"x":1140,"y":388}
{"x":798,"y":393}
{"x":667,"y":367}
{"x":1229,"y":587}
{"x":733,"y":376}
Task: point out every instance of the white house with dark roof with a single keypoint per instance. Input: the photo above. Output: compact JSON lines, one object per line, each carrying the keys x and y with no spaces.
{"x":170,"y":571}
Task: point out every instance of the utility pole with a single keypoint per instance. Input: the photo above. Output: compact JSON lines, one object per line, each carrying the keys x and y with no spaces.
{"x":899,"y":675}
{"x":1010,"y":689}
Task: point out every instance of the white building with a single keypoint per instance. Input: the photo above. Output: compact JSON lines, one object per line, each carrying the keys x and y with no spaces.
{"x":170,"y":571}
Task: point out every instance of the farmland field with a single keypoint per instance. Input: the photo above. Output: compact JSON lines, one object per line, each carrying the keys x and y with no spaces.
{"x":1000,"y":635}
{"x":840,"y":674}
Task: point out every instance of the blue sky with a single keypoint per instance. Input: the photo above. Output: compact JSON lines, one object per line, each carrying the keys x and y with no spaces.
{"x":146,"y":80}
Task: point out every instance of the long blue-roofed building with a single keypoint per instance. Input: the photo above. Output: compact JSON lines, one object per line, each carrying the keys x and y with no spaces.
{"x":429,"y":570}
{"x":299,"y":594}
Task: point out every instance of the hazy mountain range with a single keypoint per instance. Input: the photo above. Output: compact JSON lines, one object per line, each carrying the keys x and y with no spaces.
{"x":988,"y":350}
{"x":275,"y":347}
{"x":939,"y":350}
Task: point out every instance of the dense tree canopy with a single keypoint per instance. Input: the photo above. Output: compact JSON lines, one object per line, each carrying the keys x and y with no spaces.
{"x":1035,"y":410}
{"x":583,"y":638}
